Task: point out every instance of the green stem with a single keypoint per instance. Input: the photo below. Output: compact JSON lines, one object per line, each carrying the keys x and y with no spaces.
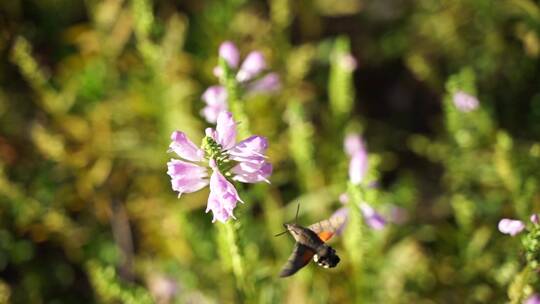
{"x":354,"y":237}
{"x":233,"y":257}
{"x":233,"y":97}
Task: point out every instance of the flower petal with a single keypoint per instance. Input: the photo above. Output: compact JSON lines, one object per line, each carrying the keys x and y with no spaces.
{"x":465,"y":102}
{"x":223,"y":197}
{"x":247,"y":173}
{"x":219,"y":212}
{"x":268,"y":84}
{"x":372,"y":218}
{"x":176,"y":168}
{"x":533,"y":299}
{"x":354,"y":144}
{"x":216,"y":102}
{"x":229,"y":52}
{"x":251,"y":147}
{"x":186,"y":184}
{"x":251,"y":67}
{"x":184,"y":147}
{"x":226,"y":130}
{"x":358,"y":167}
{"x":510,"y":226}
{"x":215,"y":95}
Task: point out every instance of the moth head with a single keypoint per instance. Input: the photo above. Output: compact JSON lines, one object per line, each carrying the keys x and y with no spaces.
{"x":293,"y":228}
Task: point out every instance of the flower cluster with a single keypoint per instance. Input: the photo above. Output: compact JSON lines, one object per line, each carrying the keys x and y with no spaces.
{"x":221,"y":158}
{"x":465,"y":102}
{"x":250,"y":75}
{"x":514,"y":227}
{"x":358,"y":165}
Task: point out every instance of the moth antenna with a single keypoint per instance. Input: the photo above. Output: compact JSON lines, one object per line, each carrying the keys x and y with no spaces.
{"x":281,"y":233}
{"x":296,"y":216}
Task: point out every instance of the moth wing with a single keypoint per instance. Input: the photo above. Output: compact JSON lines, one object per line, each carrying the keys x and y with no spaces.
{"x":299,"y":258}
{"x":326,"y":229}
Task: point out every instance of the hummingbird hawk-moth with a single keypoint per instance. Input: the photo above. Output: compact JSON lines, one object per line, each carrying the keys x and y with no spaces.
{"x":311,"y":243}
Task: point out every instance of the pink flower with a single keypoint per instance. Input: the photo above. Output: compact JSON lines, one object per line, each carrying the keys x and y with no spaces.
{"x":244,"y":162}
{"x":353,"y":144}
{"x":373,"y":218}
{"x":229,"y":52}
{"x":511,"y":227}
{"x":358,"y":164}
{"x":535,"y":219}
{"x":533,"y":299}
{"x":252,"y":66}
{"x":186,"y":177}
{"x":249,"y":76}
{"x":223,"y":197}
{"x":267,"y":84}
{"x":465,"y":102}
{"x":216,"y":102}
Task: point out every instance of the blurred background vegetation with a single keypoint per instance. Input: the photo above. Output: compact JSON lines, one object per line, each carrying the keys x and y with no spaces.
{"x":91,"y":91}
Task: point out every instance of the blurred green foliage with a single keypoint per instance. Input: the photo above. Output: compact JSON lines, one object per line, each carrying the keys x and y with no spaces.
{"x":91,"y":91}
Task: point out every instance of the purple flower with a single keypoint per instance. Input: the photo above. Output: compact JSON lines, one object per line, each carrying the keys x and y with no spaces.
{"x":511,"y":227}
{"x":533,"y":299}
{"x":252,"y":66}
{"x":249,"y":76}
{"x":372,"y":217}
{"x":223,"y":197}
{"x":353,"y":144}
{"x":216,"y":102}
{"x":358,"y":164}
{"x":465,"y":102}
{"x":535,"y":219}
{"x":267,"y":84}
{"x":186,"y":177}
{"x":229,"y":52}
{"x":244,"y":162}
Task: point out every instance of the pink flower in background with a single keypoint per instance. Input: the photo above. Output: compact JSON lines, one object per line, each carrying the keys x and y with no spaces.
{"x":224,"y":158}
{"x":535,"y":219}
{"x":465,"y":102}
{"x":533,"y":299}
{"x":267,"y":84}
{"x":216,"y":102}
{"x":252,"y":66}
{"x":511,"y":227}
{"x":250,"y":75}
{"x":229,"y":52}
{"x":373,"y":219}
{"x":358,"y":164}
